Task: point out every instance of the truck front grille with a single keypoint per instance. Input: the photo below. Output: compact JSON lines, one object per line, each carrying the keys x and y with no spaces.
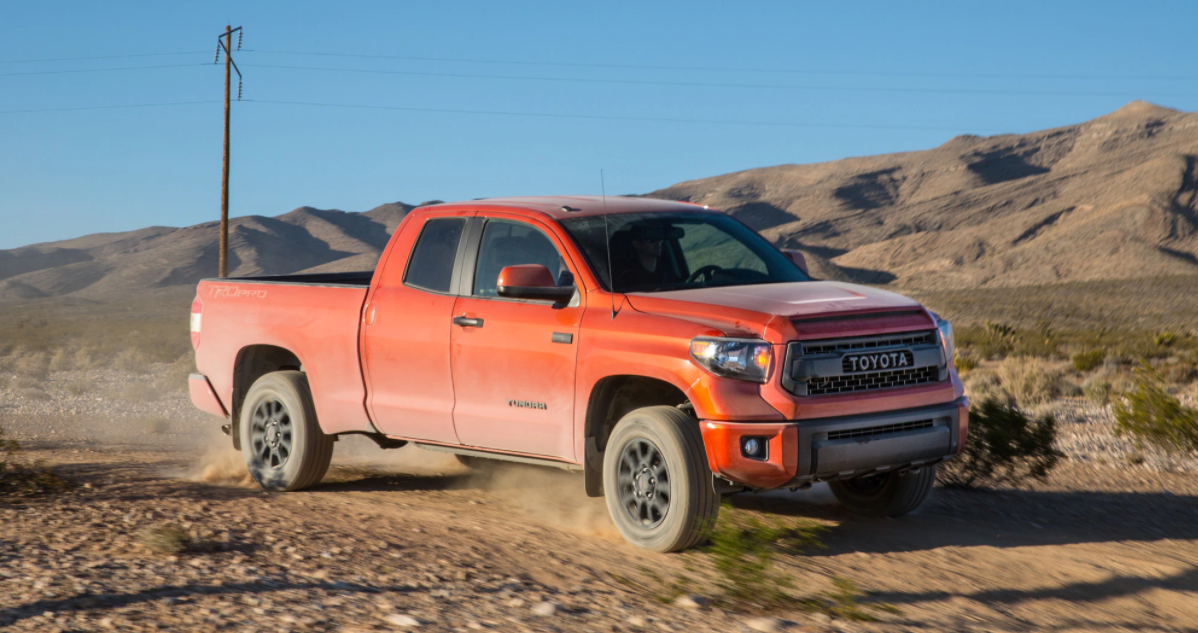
{"x":873,"y":380}
{"x":903,"y":339}
{"x":874,"y":431}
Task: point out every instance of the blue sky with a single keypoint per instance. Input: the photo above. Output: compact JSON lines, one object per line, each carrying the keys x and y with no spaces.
{"x":806,"y":82}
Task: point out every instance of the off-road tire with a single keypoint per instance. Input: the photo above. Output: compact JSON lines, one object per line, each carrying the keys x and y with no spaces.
{"x":894,"y":495}
{"x":693,"y":503}
{"x":310,"y":449}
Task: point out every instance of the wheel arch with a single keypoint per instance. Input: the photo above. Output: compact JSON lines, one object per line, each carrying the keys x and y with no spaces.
{"x":254,"y":362}
{"x":611,"y":399}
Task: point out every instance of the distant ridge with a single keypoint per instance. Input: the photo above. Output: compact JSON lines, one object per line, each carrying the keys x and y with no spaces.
{"x":1112,"y":198}
{"x":114,"y":264}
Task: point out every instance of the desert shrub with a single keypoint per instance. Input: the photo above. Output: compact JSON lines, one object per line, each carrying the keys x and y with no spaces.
{"x":19,"y":477}
{"x":80,"y":386}
{"x":985,"y":385}
{"x":1097,"y":390}
{"x":165,"y":539}
{"x":1031,"y":380}
{"x":1005,"y":446}
{"x":1179,"y":373}
{"x":34,"y":365}
{"x":964,"y":360}
{"x":742,"y":552}
{"x":155,"y":426}
{"x":74,"y":358}
{"x":174,"y":378}
{"x":1148,"y":413}
{"x":1164,"y":338}
{"x":140,"y":392}
{"x":132,"y":360}
{"x":1088,"y":359}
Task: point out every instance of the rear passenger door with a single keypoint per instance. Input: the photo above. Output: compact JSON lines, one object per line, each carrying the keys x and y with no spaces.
{"x":514,"y":359}
{"x":406,"y":331}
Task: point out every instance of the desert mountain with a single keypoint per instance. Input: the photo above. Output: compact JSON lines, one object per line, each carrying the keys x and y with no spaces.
{"x":116,"y":264}
{"x":1112,"y":198}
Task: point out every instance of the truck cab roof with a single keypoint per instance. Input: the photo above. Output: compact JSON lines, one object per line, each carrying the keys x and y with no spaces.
{"x":560,"y":207}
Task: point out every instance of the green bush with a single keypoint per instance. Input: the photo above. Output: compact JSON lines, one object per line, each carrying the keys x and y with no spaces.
{"x":1089,"y":359}
{"x":742,"y":552}
{"x":1150,"y":414}
{"x":1005,"y":446}
{"x":1164,"y":338}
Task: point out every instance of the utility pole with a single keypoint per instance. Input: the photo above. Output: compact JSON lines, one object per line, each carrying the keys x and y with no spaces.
{"x":225,"y":41}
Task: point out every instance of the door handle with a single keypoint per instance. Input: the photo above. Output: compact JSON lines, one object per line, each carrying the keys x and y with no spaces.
{"x":467,"y":321}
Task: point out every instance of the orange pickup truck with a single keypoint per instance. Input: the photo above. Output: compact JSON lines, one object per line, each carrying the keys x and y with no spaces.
{"x":664,"y":349}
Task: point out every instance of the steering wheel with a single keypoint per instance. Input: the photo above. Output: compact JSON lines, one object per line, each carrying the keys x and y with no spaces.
{"x":707,"y":271}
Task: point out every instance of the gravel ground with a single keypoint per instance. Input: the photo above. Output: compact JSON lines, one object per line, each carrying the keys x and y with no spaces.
{"x":407,"y":539}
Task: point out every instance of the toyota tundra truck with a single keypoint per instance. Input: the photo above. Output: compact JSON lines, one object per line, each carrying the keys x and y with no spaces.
{"x":664,"y":349}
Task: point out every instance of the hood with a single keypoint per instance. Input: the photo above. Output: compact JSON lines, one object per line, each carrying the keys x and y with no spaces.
{"x":753,"y":309}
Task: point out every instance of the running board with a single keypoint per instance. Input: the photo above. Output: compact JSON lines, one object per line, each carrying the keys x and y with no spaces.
{"x":506,"y":457}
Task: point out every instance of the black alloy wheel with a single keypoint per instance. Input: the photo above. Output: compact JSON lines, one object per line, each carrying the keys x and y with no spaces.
{"x":281,"y":439}
{"x":644,"y":483}
{"x":271,"y":433}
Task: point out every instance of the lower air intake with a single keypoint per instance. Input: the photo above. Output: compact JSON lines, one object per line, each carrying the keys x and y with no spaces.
{"x":885,"y":429}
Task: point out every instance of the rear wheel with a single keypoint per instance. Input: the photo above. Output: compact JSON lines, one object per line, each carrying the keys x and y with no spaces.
{"x":657,"y":482}
{"x":888,"y":495}
{"x":281,"y":439}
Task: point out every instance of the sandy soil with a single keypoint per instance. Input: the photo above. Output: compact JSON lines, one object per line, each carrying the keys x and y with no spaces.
{"x":391,"y":538}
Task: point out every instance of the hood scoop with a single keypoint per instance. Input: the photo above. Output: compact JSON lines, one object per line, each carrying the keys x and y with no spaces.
{"x":861,"y":323}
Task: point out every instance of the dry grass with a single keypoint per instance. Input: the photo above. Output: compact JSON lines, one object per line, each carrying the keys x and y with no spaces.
{"x":1135,"y":306}
{"x":1031,"y":381}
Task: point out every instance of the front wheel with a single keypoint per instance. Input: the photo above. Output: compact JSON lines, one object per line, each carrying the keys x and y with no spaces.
{"x":657,"y":482}
{"x":888,"y":495}
{"x":284,"y":448}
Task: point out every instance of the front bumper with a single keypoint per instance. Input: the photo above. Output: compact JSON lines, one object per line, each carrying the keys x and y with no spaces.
{"x":836,"y":448}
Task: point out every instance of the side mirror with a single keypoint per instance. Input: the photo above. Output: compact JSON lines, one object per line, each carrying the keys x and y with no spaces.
{"x":531,"y":281}
{"x":798,"y":259}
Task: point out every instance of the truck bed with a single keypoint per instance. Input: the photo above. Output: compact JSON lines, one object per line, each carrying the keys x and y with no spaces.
{"x":316,"y":317}
{"x":356,"y":278}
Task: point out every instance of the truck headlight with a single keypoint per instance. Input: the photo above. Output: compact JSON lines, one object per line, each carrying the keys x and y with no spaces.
{"x":742,"y":359}
{"x":946,"y":338}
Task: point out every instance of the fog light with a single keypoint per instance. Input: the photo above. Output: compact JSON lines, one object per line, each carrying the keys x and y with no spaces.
{"x":753,"y":447}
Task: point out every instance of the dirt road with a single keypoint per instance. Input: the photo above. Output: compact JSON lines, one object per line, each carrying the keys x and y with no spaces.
{"x":410,"y":538}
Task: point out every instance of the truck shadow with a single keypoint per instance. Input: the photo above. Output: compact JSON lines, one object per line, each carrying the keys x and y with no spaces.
{"x":998,"y":518}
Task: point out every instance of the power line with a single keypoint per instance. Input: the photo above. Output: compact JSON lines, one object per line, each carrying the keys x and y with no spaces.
{"x":89,"y":57}
{"x":601,"y":117}
{"x":873,"y":73}
{"x":698,"y":84}
{"x":109,"y":107}
{"x":96,"y":70}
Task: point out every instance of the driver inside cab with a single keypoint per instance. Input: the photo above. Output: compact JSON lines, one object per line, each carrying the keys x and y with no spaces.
{"x":639,"y":250}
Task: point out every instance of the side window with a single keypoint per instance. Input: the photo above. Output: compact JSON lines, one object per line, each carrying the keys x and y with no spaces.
{"x":508,"y":243}
{"x":431,"y":264}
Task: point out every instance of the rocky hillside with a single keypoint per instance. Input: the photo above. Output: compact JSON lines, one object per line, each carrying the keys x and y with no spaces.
{"x":116,"y":264}
{"x":1112,"y":198}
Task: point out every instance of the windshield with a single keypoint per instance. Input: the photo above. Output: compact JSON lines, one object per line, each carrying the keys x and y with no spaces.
{"x":652,"y":252}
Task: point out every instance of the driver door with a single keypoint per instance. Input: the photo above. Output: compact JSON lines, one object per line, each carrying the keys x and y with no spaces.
{"x":514,"y":359}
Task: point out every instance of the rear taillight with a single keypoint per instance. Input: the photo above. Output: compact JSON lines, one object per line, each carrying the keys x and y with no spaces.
{"x":197,"y":315}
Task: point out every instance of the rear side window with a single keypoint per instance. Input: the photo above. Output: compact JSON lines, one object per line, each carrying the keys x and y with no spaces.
{"x":431,"y":265}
